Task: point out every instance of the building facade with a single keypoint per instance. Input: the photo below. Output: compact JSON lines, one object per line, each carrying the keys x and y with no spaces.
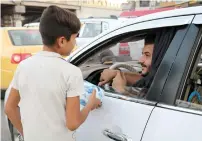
{"x":152,"y":4}
{"x":19,"y":12}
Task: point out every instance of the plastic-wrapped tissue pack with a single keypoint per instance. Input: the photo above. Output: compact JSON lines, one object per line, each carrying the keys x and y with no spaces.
{"x":89,"y":87}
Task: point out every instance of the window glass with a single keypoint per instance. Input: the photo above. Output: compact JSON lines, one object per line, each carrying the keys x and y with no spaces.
{"x":192,"y":95}
{"x":25,"y":37}
{"x":144,"y":3}
{"x":91,"y":30}
{"x":120,"y":52}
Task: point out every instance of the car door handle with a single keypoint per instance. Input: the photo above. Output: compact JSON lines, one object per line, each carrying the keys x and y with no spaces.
{"x":115,"y":136}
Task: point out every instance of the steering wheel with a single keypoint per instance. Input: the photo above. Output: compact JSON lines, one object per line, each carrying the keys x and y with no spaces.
{"x":117,"y":66}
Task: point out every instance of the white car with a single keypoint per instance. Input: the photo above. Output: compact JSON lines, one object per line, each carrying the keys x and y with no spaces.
{"x":36,"y":24}
{"x":171,"y":109}
{"x":92,"y":27}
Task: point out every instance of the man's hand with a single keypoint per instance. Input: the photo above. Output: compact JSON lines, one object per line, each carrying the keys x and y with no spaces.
{"x":93,"y":101}
{"x":106,"y":76}
{"x":119,"y":82}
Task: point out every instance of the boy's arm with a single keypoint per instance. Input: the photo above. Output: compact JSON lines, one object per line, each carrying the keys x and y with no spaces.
{"x":75,"y":117}
{"x":12,"y":109}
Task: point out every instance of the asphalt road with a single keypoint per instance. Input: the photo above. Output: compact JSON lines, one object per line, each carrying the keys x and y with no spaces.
{"x":5,"y":135}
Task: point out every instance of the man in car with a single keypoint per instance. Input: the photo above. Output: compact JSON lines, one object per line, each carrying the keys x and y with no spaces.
{"x":121,"y":79}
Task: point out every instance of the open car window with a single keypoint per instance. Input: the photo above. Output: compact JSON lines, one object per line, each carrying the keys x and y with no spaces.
{"x":127,"y":49}
{"x":121,"y":52}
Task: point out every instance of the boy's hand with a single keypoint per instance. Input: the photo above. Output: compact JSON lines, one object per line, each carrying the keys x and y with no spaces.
{"x":93,"y":102}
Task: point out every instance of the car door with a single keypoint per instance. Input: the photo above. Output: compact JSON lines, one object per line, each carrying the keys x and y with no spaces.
{"x":176,"y":117}
{"x":123,"y":118}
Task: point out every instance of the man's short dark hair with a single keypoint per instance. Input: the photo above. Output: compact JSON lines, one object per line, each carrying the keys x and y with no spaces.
{"x":150,"y":39}
{"x":56,"y":22}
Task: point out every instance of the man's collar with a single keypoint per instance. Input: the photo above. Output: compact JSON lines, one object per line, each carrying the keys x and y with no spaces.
{"x":49,"y":54}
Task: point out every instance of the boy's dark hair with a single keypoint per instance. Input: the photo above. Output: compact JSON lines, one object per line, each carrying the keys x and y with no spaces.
{"x":150,"y":39}
{"x":56,"y":22}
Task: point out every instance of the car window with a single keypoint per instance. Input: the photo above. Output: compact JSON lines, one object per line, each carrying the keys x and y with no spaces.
{"x":91,"y":30}
{"x":25,"y":37}
{"x":119,"y":52}
{"x":192,"y":95}
{"x":128,"y":54}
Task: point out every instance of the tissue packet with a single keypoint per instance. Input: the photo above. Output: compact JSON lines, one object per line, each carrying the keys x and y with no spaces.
{"x":89,"y":87}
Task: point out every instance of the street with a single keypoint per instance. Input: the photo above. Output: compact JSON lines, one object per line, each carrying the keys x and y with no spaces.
{"x":5,"y":135}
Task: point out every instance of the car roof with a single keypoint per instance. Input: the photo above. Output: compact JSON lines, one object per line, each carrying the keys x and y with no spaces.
{"x":138,"y":13}
{"x":166,"y":14}
{"x":150,"y":17}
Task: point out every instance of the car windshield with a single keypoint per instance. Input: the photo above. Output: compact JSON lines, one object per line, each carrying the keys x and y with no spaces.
{"x":25,"y":37}
{"x":91,"y":30}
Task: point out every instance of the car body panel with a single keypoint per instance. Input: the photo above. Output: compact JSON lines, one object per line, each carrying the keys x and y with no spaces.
{"x":112,"y":116}
{"x":198,"y":19}
{"x":166,"y":14}
{"x":173,"y":125}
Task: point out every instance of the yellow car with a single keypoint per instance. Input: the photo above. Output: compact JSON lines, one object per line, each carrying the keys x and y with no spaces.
{"x":18,"y":43}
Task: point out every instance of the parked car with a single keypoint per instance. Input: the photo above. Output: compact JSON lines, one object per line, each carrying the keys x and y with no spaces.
{"x":34,"y":24}
{"x":18,"y":43}
{"x":172,"y":108}
{"x":92,"y":27}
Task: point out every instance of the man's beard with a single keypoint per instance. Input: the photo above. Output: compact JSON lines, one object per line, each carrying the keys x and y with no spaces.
{"x":145,"y":74}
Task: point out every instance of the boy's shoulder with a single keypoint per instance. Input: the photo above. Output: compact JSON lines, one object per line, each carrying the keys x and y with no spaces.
{"x":25,"y":61}
{"x":68,"y":66}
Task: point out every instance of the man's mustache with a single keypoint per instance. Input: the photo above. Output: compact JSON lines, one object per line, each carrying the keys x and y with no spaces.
{"x":143,"y":65}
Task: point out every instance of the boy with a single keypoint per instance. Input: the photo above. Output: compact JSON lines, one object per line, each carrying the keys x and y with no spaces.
{"x":46,"y":87}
